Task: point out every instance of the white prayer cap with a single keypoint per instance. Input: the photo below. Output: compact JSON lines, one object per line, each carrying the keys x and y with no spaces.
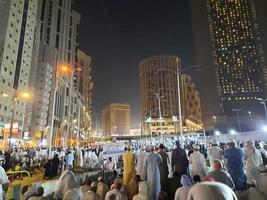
{"x":262,"y":168}
{"x":94,"y":184}
{"x":100,"y":178}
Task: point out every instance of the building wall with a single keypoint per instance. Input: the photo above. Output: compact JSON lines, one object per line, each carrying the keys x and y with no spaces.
{"x":238,"y":55}
{"x":190,"y":100}
{"x":116,"y":119}
{"x":84,"y":85}
{"x":158,"y":75}
{"x":16,"y":46}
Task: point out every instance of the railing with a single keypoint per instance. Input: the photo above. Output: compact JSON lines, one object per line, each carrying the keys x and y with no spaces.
{"x":20,"y":172}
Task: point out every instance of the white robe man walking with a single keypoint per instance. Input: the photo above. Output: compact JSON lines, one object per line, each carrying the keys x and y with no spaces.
{"x":152,"y":163}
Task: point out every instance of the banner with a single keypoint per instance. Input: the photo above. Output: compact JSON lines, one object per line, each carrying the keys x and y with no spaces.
{"x":113,"y":149}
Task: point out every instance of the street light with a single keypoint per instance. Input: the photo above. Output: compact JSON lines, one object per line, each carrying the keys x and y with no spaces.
{"x":215,"y":118}
{"x":238,"y":119}
{"x":15,"y":96}
{"x":61,"y":69}
{"x":160,"y":117}
{"x":263,"y":101}
{"x":250,"y":116}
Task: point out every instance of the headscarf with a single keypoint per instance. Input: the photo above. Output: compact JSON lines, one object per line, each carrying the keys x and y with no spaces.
{"x":67,"y":181}
{"x":211,"y":191}
{"x":73,"y":194}
{"x":143,"y":188}
{"x":185,"y":181}
{"x":90,"y":196}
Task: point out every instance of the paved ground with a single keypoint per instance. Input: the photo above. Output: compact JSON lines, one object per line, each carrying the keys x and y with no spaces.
{"x":16,"y":185}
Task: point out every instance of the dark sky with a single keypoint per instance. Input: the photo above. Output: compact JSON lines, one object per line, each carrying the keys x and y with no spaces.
{"x":117,"y":34}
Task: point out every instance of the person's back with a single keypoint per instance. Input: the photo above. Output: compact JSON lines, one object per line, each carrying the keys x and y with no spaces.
{"x":234,"y":157}
{"x":211,"y":191}
{"x":179,"y":160}
{"x":222,"y":177}
{"x":129,"y":166}
{"x":235,"y":166}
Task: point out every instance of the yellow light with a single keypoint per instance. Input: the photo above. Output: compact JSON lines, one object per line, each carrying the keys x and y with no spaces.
{"x":25,"y":95}
{"x":5,"y":95}
{"x":74,"y":121}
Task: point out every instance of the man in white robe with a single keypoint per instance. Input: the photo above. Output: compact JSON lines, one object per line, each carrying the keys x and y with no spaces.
{"x":197,"y":161}
{"x":3,"y":180}
{"x":140,"y":167}
{"x":253,"y":161}
{"x":215,"y":152}
{"x":259,"y":192}
{"x":152,"y":164}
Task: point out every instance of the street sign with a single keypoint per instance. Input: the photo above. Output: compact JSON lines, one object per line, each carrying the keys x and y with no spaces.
{"x":113,"y":149}
{"x":15,"y":127}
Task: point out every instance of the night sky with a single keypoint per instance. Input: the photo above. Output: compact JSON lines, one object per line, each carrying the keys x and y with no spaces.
{"x":117,"y":34}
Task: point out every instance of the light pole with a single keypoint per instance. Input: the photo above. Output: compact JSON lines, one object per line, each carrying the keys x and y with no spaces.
{"x":263,"y":101}
{"x":250,"y":115}
{"x":215,"y":119}
{"x":160,"y":117}
{"x":15,"y":95}
{"x":238,"y":119}
{"x":178,"y":73}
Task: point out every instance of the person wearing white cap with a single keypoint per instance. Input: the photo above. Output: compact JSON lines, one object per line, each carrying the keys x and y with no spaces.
{"x":182,"y":192}
{"x":152,"y":164}
{"x":259,"y":192}
{"x":197,"y":161}
{"x":211,"y":191}
{"x":91,"y":194}
{"x":140,"y":167}
{"x":253,"y":161}
{"x":115,"y":191}
{"x":102,"y":188}
{"x":215,"y":152}
{"x":3,"y":180}
{"x":143,"y":193}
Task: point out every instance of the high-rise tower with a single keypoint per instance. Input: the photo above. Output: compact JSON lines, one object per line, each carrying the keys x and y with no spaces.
{"x":237,"y":53}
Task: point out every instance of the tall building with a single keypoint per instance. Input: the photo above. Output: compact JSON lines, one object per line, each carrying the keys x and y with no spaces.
{"x":159,"y":96}
{"x":116,"y":119}
{"x":84,"y":85}
{"x":17,"y":32}
{"x":190,"y":100}
{"x":238,"y":56}
{"x":203,"y":56}
{"x":234,"y":50}
{"x":56,"y":46}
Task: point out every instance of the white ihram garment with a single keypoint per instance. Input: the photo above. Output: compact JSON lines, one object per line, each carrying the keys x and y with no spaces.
{"x":140,"y":166}
{"x":152,"y":163}
{"x":3,"y":180}
{"x":197,"y":160}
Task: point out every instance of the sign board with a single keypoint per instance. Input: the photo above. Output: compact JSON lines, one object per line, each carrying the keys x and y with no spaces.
{"x":113,"y":149}
{"x":15,"y":127}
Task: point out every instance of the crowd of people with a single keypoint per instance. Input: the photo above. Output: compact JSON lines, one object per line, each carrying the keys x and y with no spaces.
{"x":173,"y":170}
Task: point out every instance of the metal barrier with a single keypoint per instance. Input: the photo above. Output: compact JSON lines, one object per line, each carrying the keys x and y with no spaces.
{"x":20,"y":172}
{"x":14,"y":190}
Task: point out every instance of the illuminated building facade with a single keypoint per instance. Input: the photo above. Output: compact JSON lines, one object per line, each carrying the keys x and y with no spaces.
{"x":84,"y":85}
{"x":190,"y":100}
{"x":238,"y":55}
{"x":116,"y":119}
{"x":17,"y":32}
{"x":159,"y":96}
